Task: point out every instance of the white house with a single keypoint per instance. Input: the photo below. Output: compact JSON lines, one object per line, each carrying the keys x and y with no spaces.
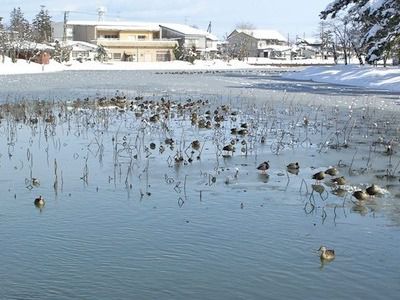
{"x":82,"y":50}
{"x":308,"y":47}
{"x":259,"y":43}
{"x":206,"y":43}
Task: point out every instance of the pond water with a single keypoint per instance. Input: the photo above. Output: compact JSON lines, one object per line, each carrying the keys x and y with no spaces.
{"x":133,"y":210}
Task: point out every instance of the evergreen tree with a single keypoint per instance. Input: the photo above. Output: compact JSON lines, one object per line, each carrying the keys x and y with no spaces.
{"x":19,"y":25}
{"x":41,"y":26}
{"x":379,"y":20}
{"x":3,"y":40}
{"x":101,"y":53}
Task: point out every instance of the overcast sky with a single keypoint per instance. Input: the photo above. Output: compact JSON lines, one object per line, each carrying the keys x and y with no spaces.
{"x":287,"y":16}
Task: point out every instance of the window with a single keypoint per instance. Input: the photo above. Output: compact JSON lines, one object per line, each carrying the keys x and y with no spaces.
{"x":141,"y":37}
{"x":117,"y":56}
{"x":163,"y":56}
{"x":110,"y":36}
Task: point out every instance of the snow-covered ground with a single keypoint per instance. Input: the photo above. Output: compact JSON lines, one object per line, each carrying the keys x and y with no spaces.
{"x":23,"y":67}
{"x":285,"y":62}
{"x":363,"y":76}
{"x":354,"y":75}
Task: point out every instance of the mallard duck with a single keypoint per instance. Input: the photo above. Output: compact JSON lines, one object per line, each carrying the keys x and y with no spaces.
{"x":360,"y":195}
{"x":293,"y":166}
{"x":319,"y":176}
{"x":39,"y":202}
{"x":326,"y":254}
{"x":339,"y":180}
{"x":332,"y":171}
{"x":264,"y":166}
{"x":373,"y":190}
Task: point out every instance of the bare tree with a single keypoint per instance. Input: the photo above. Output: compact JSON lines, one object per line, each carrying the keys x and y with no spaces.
{"x":245,"y":26}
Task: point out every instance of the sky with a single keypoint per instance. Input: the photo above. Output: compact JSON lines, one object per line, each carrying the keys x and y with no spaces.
{"x":289,"y":17}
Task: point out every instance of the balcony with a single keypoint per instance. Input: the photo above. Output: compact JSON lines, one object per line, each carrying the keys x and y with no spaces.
{"x":116,"y":42}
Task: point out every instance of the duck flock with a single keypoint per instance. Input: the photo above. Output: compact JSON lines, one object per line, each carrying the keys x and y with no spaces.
{"x":180,"y":133}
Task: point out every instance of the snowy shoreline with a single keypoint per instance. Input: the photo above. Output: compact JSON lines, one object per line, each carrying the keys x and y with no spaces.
{"x":369,"y":77}
{"x":353,"y":75}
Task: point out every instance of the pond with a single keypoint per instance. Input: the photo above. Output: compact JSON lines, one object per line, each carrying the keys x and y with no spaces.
{"x":145,"y":199}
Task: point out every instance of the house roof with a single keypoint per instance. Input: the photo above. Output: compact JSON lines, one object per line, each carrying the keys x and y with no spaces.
{"x":263,"y":34}
{"x":309,"y":41}
{"x":119,"y":25}
{"x":81,"y":46}
{"x":122,"y":25}
{"x":188,"y":30}
{"x":35,"y":46}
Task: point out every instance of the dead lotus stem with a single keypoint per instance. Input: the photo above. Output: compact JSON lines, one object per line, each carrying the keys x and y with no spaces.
{"x":351,"y":164}
{"x":55,"y":185}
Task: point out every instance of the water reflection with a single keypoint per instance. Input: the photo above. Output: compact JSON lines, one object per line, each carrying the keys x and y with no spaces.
{"x":263,"y":177}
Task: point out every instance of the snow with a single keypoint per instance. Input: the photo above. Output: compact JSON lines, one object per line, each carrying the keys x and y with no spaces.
{"x":23,"y":67}
{"x":353,"y":75}
{"x":188,"y":30}
{"x":263,"y":34}
{"x":120,"y":24}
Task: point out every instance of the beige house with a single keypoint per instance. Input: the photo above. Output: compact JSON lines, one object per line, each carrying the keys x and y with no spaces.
{"x":126,"y":41}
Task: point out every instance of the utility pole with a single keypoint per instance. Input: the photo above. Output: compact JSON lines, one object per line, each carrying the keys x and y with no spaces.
{"x":209,"y":27}
{"x":64,"y":38}
{"x":65,"y":26}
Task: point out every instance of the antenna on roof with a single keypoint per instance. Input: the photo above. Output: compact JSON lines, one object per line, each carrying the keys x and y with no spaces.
{"x":101,"y":11}
{"x":209,"y":27}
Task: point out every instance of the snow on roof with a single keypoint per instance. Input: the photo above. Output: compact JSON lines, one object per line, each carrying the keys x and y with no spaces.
{"x":310,"y":40}
{"x":119,"y":25}
{"x":263,"y":34}
{"x":188,"y":30}
{"x":35,"y":46}
{"x":81,"y":45}
{"x":127,"y":28}
{"x":123,"y":25}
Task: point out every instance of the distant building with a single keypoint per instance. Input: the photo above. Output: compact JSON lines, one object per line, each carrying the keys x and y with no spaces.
{"x":259,"y":43}
{"x":126,"y":41}
{"x":206,"y":44}
{"x":36,"y":52}
{"x":308,"y":47}
{"x":82,"y":50}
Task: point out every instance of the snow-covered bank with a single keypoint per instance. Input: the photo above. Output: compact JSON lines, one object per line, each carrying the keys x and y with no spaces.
{"x":23,"y":67}
{"x":292,"y":62}
{"x":363,"y":76}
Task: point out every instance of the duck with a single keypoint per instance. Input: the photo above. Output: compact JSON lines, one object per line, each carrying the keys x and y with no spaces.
{"x":196,"y":145}
{"x":229,"y":148}
{"x":360,"y":195}
{"x":319,"y":176}
{"x":264,"y":166}
{"x":326,"y":254}
{"x":373,"y":190}
{"x":332,"y":171}
{"x":39,"y":202}
{"x":293,"y":166}
{"x":339,"y":180}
